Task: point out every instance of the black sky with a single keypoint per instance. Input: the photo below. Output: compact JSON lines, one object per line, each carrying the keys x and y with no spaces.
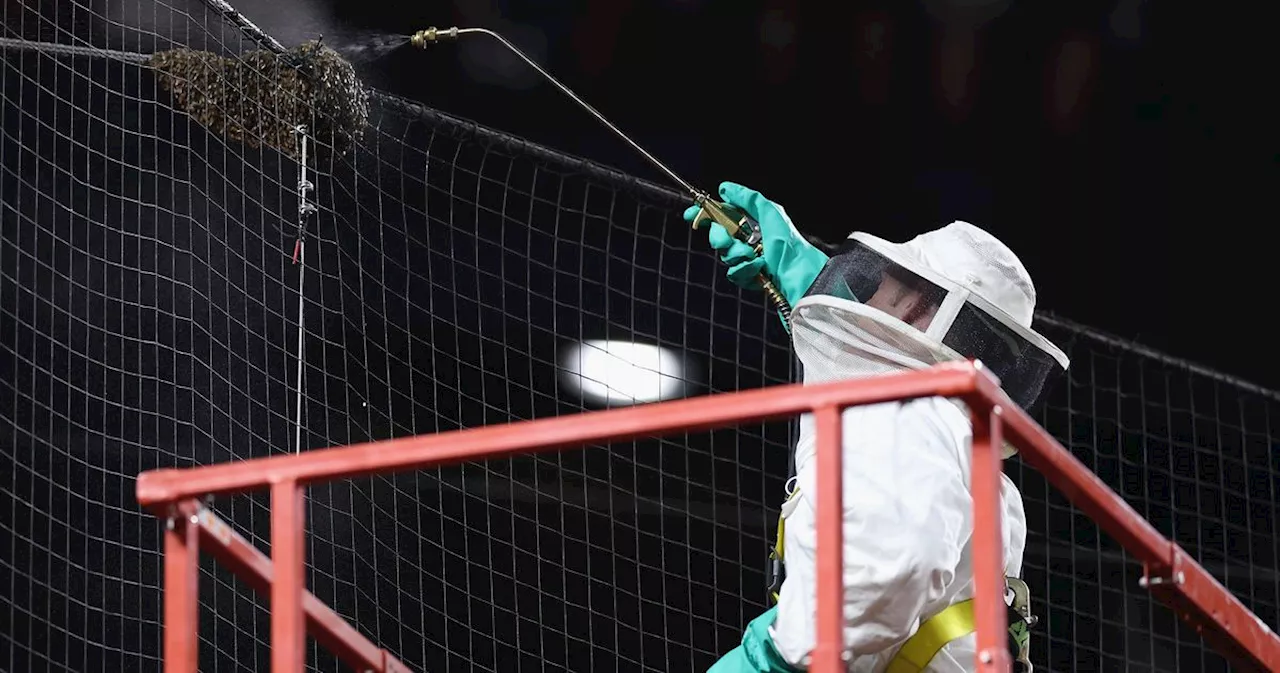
{"x":1124,"y":149}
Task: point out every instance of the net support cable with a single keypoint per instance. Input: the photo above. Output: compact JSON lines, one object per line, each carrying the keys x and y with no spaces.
{"x":306,"y":209}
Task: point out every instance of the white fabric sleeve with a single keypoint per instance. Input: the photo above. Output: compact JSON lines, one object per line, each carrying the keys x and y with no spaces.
{"x":907,"y":520}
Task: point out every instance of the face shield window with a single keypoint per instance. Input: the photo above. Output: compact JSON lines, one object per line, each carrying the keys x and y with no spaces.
{"x":860,"y":273}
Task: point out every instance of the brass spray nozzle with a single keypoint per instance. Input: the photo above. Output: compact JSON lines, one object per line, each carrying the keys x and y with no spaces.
{"x":432,"y":34}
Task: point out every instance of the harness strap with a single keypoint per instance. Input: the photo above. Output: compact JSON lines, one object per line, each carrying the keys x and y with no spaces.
{"x":777,"y":563}
{"x":957,"y":621}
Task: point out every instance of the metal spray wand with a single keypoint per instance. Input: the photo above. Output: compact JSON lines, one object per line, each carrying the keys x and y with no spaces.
{"x":739,"y":225}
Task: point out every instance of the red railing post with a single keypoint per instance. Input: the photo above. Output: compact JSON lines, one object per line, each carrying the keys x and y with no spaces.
{"x":288,"y":557}
{"x":1177,"y":579}
{"x":181,"y":593}
{"x":988,"y":541}
{"x":828,"y":650}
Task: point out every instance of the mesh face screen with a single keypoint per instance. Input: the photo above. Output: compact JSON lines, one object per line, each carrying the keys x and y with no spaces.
{"x":1024,"y":370}
{"x":860,"y":273}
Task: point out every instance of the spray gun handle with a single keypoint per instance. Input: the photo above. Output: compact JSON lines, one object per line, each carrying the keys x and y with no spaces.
{"x":736,"y":221}
{"x":743,"y":227}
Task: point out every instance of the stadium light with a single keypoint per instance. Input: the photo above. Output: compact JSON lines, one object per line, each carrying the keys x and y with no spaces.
{"x":619,"y":373}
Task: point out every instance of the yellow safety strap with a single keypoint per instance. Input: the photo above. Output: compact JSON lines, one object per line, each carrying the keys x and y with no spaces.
{"x":778,"y":545}
{"x":778,"y":542}
{"x":957,"y":621}
{"x":954,"y":622}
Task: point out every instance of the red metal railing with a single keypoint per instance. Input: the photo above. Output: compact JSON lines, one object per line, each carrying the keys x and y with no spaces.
{"x":174,"y":494}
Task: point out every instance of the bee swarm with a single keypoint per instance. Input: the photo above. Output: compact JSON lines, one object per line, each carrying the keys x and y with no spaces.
{"x":260,"y":97}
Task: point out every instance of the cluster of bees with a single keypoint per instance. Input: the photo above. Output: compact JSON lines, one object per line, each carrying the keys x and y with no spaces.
{"x":260,"y":98}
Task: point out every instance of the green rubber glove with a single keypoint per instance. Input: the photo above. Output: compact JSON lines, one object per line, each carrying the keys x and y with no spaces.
{"x":790,"y":260}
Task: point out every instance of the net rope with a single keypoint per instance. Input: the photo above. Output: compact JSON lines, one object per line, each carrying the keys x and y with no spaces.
{"x":11,"y":44}
{"x":148,"y":316}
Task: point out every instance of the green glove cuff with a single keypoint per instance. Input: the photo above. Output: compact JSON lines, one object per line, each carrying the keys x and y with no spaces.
{"x":757,"y":653}
{"x":797,"y":267}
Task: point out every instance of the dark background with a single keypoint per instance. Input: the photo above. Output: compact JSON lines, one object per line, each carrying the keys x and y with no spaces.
{"x":148,"y":318}
{"x":1123,"y":148}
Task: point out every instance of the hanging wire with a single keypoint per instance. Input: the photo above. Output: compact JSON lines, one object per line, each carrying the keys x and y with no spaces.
{"x":306,"y":209}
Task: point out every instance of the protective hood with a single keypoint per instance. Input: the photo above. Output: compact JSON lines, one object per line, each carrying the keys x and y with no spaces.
{"x":949,"y":294}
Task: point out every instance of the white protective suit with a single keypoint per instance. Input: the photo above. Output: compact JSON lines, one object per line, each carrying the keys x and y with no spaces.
{"x":907,"y":506}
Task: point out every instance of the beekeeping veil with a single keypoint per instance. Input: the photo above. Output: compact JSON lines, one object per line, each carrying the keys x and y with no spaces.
{"x":950,"y":294}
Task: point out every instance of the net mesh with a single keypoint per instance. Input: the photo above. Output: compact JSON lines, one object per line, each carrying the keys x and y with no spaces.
{"x":149,"y":317}
{"x":1194,"y":453}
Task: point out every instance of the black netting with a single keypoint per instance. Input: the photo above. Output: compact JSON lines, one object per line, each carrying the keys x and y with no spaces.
{"x":1193,"y":452}
{"x":149,"y":318}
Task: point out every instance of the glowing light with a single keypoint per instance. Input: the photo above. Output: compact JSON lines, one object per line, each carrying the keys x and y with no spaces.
{"x":615,"y":373}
